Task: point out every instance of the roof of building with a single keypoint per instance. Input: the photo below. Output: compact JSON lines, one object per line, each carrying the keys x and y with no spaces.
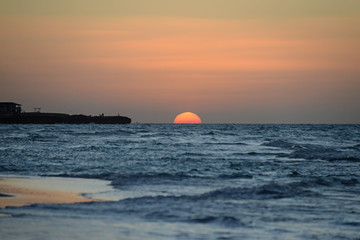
{"x":9,"y":103}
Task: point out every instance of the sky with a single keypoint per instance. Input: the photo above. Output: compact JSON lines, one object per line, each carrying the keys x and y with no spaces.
{"x":229,"y":61}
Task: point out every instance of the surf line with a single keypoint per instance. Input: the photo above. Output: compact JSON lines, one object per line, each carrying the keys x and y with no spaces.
{"x":17,"y":191}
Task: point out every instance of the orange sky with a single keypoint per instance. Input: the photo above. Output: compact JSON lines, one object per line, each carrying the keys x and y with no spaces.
{"x":151,"y":67}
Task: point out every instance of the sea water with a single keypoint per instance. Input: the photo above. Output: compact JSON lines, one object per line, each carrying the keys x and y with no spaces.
{"x":208,"y":181}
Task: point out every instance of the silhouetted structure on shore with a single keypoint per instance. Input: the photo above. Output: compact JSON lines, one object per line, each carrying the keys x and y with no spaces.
{"x":10,"y":113}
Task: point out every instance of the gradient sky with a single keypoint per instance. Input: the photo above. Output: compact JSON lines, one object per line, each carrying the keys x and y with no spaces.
{"x":231,"y":61}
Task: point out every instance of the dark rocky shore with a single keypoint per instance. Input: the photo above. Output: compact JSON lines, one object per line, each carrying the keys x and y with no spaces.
{"x":11,"y":113}
{"x":53,"y":118}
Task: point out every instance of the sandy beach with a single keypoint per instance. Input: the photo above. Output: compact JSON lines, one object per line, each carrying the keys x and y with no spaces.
{"x":22,"y":191}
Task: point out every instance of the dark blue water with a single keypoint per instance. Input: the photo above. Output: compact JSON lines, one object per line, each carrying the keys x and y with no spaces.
{"x":170,"y":181}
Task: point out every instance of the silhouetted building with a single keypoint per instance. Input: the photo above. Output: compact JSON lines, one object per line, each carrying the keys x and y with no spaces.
{"x":10,"y":108}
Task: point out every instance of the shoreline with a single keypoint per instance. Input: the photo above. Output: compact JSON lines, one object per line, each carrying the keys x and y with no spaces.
{"x":18,"y":191}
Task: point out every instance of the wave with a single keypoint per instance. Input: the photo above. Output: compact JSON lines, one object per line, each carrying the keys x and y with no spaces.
{"x":270,"y":191}
{"x":356,"y":147}
{"x":313,"y":151}
{"x":329,"y":181}
{"x":228,"y":221}
{"x":279,"y":144}
{"x":235,"y":175}
{"x":141,"y":178}
{"x":194,"y":154}
{"x":252,"y":153}
{"x":304,"y":188}
{"x":102,"y":176}
{"x":219,"y":132}
{"x":226,"y":143}
{"x":344,"y":158}
{"x":324,"y":154}
{"x":6,"y":195}
{"x":119,"y":180}
{"x":101,"y":132}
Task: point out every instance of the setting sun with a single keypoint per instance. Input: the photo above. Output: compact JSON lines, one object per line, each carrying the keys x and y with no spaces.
{"x":187,"y":117}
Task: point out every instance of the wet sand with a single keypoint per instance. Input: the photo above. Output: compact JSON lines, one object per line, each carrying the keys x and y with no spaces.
{"x":22,"y":191}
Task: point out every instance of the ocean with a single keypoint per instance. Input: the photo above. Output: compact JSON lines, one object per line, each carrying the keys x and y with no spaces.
{"x":206,"y":181}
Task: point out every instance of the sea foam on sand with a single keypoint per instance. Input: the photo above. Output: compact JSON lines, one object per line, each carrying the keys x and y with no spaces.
{"x":27,"y":190}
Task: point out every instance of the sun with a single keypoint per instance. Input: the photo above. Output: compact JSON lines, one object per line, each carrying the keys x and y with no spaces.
{"x":187,"y":117}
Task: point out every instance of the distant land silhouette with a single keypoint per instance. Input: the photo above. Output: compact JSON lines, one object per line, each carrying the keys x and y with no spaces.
{"x":11,"y":113}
